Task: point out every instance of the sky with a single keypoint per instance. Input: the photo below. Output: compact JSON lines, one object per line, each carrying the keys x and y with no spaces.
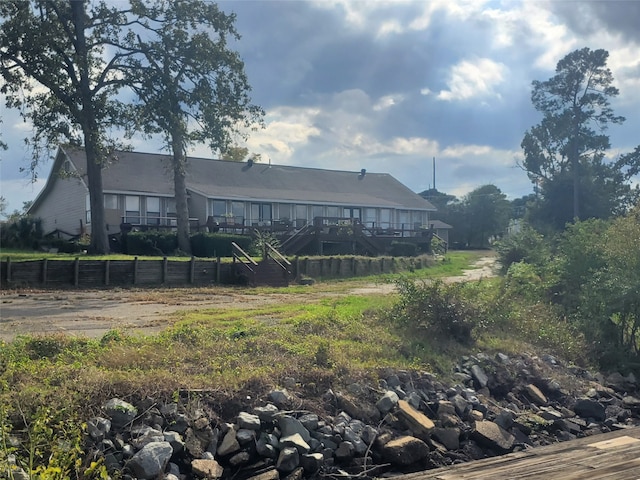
{"x":389,"y":86}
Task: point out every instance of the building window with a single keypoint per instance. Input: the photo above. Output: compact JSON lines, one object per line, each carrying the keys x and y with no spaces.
{"x":333,"y":213}
{"x":153,"y":211}
{"x":132,"y":209}
{"x":369,"y":217}
{"x":110,"y":201}
{"x":403,"y":219}
{"x":237,"y":209}
{"x":385,"y":217}
{"x":353,"y":213}
{"x":87,"y":207}
{"x":300,"y":215}
{"x":261,"y":213}
{"x":218,"y":208}
{"x":316,"y":211}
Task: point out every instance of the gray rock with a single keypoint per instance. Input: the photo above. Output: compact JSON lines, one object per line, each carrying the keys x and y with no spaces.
{"x":120,"y":412}
{"x":151,"y":461}
{"x":241,"y":458}
{"x":351,"y":436}
{"x":405,"y":451}
{"x":267,"y":413}
{"x":265,"y":446}
{"x":492,"y":436}
{"x":98,"y":428}
{"x":479,"y":376}
{"x":248,"y":421}
{"x":288,"y":460}
{"x":290,"y":426}
{"x":588,"y":408}
{"x":345,"y":451}
{"x":311,"y":462}
{"x":229,"y":443}
{"x":295,"y":441}
{"x":462,"y":406}
{"x":281,"y":398}
{"x":387,"y":402}
{"x":143,"y":435}
{"x":245,"y":436}
{"x":175,"y":440}
{"x":414,"y":399}
{"x":449,"y":437}
{"x":310,"y":421}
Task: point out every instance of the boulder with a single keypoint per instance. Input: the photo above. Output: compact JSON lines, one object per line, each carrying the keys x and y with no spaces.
{"x":151,"y":461}
{"x":405,"y":451}
{"x":491,"y":435}
{"x":209,"y":469}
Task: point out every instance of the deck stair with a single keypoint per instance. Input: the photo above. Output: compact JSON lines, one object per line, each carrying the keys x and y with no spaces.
{"x":273,"y":270}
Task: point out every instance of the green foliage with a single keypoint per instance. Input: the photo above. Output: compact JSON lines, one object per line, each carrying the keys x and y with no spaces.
{"x":479,"y":218}
{"x":437,"y":309}
{"x":217,"y":244}
{"x":23,"y":232}
{"x":403,"y":249}
{"x":526,"y":245}
{"x":50,"y":447}
{"x":151,"y":242}
{"x":261,"y":241}
{"x":438,"y":246}
{"x":564,"y":153}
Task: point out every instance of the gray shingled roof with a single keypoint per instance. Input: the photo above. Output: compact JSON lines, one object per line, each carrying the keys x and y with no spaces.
{"x":151,"y":173}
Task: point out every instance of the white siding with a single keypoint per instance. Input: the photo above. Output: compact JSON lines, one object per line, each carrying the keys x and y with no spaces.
{"x":63,"y":209}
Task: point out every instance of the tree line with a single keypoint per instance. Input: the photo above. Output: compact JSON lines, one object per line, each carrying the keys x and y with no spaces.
{"x":564,"y":157}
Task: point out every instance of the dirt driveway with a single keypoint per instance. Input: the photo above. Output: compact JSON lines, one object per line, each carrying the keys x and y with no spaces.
{"x":91,"y":313}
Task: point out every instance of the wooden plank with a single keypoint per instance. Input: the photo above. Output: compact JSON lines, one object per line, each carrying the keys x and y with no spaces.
{"x":608,"y":456}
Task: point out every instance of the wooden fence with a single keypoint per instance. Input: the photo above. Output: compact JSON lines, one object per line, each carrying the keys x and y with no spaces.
{"x":100,"y":273}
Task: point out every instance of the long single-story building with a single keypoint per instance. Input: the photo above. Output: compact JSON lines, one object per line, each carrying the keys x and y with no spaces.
{"x":138,"y":190}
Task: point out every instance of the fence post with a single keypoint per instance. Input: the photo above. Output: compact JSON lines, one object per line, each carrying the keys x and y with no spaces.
{"x":76,"y":271}
{"x":135,"y":270}
{"x":218,"y":270}
{"x":297,"y":263}
{"x":107,"y":268}
{"x":44,"y":271}
{"x":192,"y":270}
{"x":165,"y":264}
{"x":8,"y":269}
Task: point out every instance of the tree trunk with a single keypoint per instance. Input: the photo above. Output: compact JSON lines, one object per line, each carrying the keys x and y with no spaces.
{"x":575,"y":165}
{"x":99,"y":241}
{"x":179,"y":185}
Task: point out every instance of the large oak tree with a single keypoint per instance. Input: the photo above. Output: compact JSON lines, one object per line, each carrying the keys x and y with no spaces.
{"x":58,"y":72}
{"x":190,"y":85}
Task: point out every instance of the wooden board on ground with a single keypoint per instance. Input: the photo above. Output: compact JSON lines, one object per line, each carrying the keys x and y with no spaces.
{"x":611,"y":456}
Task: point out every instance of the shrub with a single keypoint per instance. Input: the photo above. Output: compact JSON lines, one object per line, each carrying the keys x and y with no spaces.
{"x":527,"y":245}
{"x":437,"y":309}
{"x":403,"y":249}
{"x":152,"y":242}
{"x":23,"y":232}
{"x":217,"y":244}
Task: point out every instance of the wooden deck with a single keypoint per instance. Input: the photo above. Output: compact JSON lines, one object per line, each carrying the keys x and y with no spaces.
{"x":611,"y":456}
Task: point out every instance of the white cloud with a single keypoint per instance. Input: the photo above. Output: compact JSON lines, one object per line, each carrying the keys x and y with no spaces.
{"x":387,"y":101}
{"x":475,"y":78}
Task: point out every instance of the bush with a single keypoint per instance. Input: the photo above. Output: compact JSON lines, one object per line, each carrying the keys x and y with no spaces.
{"x":403,"y":249}
{"x":437,"y":310}
{"x":527,"y":246}
{"x":24,"y":232}
{"x":217,"y":244}
{"x":152,"y":242}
